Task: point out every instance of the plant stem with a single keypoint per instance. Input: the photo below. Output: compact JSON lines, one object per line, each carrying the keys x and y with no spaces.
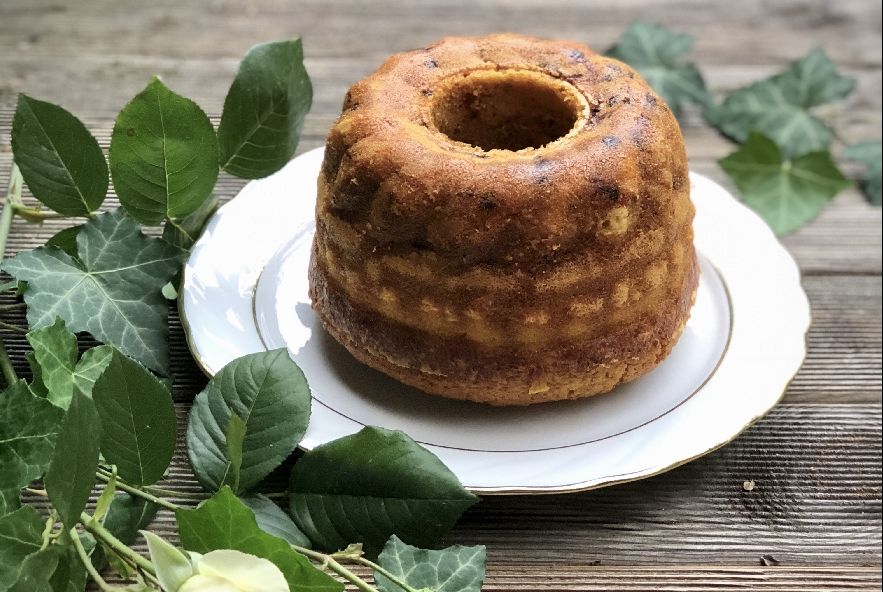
{"x":97,"y":530}
{"x":15,"y":328}
{"x":394,"y":579}
{"x":158,"y":490}
{"x":139,"y":492}
{"x":6,"y":365}
{"x":180,"y":228}
{"x":332,"y":564}
{"x":12,"y":195}
{"x":33,"y":213}
{"x":84,"y":557}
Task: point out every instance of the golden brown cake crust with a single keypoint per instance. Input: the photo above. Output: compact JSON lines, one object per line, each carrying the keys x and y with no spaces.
{"x":505,"y":220}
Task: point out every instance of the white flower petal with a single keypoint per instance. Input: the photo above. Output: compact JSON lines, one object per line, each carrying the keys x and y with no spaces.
{"x":201,"y":583}
{"x":247,"y":572}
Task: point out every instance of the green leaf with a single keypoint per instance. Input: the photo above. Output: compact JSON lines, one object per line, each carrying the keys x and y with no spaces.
{"x":71,"y":474}
{"x":137,"y":420}
{"x":269,"y":392}
{"x":38,"y":387}
{"x":224,"y":522}
{"x":113,"y":292}
{"x":235,"y":435}
{"x":66,"y":240}
{"x":55,"y":351}
{"x":35,"y":572}
{"x":28,"y":428}
{"x":163,"y":156}
{"x":371,"y":485}
{"x":273,"y":520}
{"x":656,"y":53}
{"x":786,"y":194}
{"x":869,"y":153}
{"x":264,"y":110}
{"x":59,"y":159}
{"x":10,"y":500}
{"x":184,"y":232}
{"x":779,"y":106}
{"x":21,"y":535}
{"x":455,"y":569}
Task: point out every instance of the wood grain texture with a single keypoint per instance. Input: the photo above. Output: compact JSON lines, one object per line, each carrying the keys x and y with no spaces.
{"x":815,"y":460}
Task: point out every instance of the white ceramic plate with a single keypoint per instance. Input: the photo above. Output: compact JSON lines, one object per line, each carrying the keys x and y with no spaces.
{"x":245,"y":290}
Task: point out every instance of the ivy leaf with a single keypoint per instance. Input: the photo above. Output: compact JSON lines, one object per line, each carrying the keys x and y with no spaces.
{"x":163,"y":155}
{"x":656,"y":53}
{"x":224,"y":522}
{"x":28,"y":428}
{"x":270,"y":392}
{"x":455,"y":569}
{"x":113,"y":291}
{"x":71,"y":474}
{"x":779,"y":106}
{"x":273,"y":520}
{"x":59,"y":159}
{"x":184,"y":232}
{"x":264,"y":110}
{"x":38,"y":387}
{"x":21,"y":535}
{"x":869,"y":153}
{"x":371,"y":485}
{"x":70,"y":574}
{"x":66,"y":240}
{"x":786,"y":194}
{"x":55,"y":351}
{"x":35,"y":572}
{"x":138,"y":424}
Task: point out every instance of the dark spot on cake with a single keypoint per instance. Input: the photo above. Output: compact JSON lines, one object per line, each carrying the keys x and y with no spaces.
{"x":354,"y":106}
{"x":541,"y":179}
{"x":651,"y":100}
{"x":611,"y":141}
{"x":577,"y":56}
{"x":427,"y":93}
{"x":677,"y":182}
{"x":638,"y":131}
{"x":469,"y":193}
{"x":611,"y":101}
{"x":611,"y":192}
{"x":626,"y":101}
{"x":541,"y":164}
{"x":487,"y":203}
{"x":479,"y":155}
{"x":431,"y":64}
{"x":631,"y":74}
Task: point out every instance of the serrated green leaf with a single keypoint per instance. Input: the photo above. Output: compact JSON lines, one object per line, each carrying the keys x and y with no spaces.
{"x":786,"y":194}
{"x":455,"y":569}
{"x":163,"y":156}
{"x":59,"y":159}
{"x":21,"y":535}
{"x":264,"y":110}
{"x":184,"y":232}
{"x":371,"y":485}
{"x":869,"y":153}
{"x":71,"y":474}
{"x":113,"y":291}
{"x":66,"y":240}
{"x":270,"y":392}
{"x":224,"y":522}
{"x":138,"y":424}
{"x":55,"y":351}
{"x":779,"y":106}
{"x":273,"y":520}
{"x":28,"y":428}
{"x":656,"y":53}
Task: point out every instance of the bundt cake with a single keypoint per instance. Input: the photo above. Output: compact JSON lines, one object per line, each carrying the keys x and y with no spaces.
{"x":505,"y":220}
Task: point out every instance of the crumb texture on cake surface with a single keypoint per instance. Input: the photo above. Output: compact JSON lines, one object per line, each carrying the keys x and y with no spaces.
{"x":505,"y":220}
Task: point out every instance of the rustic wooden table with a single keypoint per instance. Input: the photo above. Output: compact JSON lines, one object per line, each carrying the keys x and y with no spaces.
{"x":815,"y":512}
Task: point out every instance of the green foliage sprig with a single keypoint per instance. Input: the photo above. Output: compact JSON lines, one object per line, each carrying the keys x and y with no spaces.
{"x":107,"y":416}
{"x":783,"y":166}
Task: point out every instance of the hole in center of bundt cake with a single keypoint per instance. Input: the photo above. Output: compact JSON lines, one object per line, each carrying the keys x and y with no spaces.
{"x":505,"y":109}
